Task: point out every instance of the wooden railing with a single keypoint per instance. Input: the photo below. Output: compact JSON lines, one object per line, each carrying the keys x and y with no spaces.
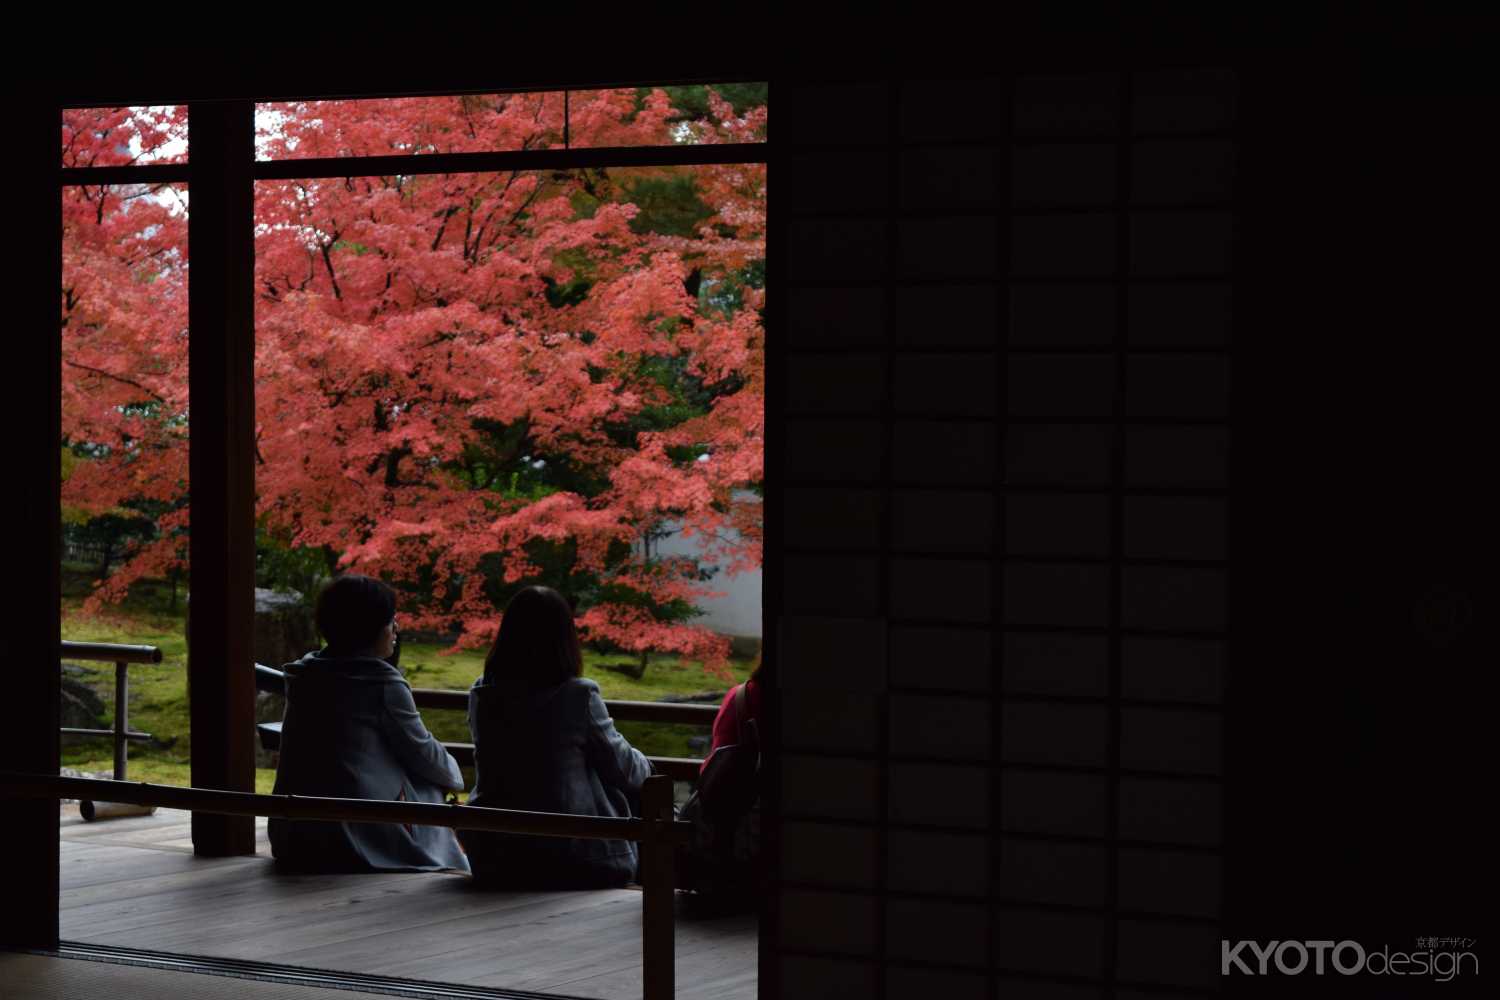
{"x":271,"y":680}
{"x":630,"y":711}
{"x":122,"y":656}
{"x":656,"y":831}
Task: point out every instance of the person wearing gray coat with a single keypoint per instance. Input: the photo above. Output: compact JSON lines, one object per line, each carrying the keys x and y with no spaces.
{"x":351,"y":730}
{"x":544,"y":741}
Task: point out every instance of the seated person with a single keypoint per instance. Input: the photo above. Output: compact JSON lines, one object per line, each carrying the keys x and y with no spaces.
{"x":727,"y":723}
{"x":719,"y":862}
{"x":351,"y":730}
{"x":544,"y":741}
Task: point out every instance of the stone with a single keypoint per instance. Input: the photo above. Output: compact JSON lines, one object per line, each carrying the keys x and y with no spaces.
{"x":82,"y":706}
{"x":283,"y":632}
{"x":283,"y":629}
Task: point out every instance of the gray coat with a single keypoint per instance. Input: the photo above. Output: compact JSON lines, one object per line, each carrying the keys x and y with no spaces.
{"x":352,"y":731}
{"x":555,"y":750}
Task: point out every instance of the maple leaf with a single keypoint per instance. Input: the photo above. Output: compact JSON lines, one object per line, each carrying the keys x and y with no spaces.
{"x":463,"y":382}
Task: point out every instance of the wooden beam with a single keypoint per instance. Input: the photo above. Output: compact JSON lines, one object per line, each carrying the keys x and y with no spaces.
{"x":674,"y":712}
{"x":251,"y":804}
{"x":658,"y":930}
{"x":574,"y":158}
{"x":123,"y":81}
{"x":221,"y":356}
{"x":29,"y":740}
{"x":676,"y":768}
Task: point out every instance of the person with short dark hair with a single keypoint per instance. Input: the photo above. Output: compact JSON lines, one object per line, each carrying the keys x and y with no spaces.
{"x":351,"y":730}
{"x":352,"y":611}
{"x":544,"y":741}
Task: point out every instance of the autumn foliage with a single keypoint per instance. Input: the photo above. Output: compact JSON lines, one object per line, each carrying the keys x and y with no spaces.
{"x":464,"y":382}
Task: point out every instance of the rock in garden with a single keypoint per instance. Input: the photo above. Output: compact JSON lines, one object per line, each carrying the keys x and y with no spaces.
{"x":82,"y":706}
{"x":283,"y":632}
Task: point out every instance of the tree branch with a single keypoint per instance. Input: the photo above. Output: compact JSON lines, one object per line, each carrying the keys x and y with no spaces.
{"x":517,"y":214}
{"x":451,"y":211}
{"x":117,"y":378}
{"x":328,"y":263}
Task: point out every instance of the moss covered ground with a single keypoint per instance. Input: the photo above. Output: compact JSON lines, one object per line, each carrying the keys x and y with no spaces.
{"x":158,"y":693}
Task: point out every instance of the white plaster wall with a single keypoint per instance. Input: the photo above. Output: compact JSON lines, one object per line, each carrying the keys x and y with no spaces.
{"x":738,"y":612}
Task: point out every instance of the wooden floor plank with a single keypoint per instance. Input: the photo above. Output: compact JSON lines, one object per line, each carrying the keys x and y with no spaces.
{"x":549,"y":946}
{"x":693,"y":983}
{"x":251,"y":896}
{"x":166,"y":829}
{"x":136,"y":884}
{"x":706,"y":967}
{"x":110,"y":863}
{"x":333,"y":931}
{"x":532,"y":929}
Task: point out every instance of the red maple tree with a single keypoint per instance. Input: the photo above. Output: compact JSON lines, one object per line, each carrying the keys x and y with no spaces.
{"x":463,"y":381}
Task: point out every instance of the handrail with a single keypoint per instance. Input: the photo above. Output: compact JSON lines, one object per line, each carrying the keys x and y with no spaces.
{"x":122,"y":655}
{"x":677,"y":768}
{"x":109,"y":652}
{"x":656,"y":831}
{"x":619,"y":709}
{"x":269,"y":679}
{"x":323,"y":807}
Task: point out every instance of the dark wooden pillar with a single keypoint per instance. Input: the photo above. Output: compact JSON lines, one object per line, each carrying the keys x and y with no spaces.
{"x":222,"y":422}
{"x":28,"y":643}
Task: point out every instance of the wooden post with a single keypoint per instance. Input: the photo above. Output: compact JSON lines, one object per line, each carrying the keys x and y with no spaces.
{"x":658,"y":944}
{"x":221,"y":564}
{"x":122,"y":717}
{"x":31,"y":505}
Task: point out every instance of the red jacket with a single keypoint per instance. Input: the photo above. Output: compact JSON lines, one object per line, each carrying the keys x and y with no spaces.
{"x":727,"y":722}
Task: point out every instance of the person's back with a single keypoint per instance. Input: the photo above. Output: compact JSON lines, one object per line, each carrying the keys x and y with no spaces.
{"x":544,"y":742}
{"x":718,"y":862}
{"x":351,"y":730}
{"x":554,"y":750}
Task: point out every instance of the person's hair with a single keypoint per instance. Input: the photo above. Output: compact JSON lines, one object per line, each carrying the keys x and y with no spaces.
{"x":537,"y":643}
{"x":351,"y":611}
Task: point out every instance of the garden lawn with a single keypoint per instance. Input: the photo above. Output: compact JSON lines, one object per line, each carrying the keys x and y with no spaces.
{"x":426,"y":666}
{"x":158,"y":692}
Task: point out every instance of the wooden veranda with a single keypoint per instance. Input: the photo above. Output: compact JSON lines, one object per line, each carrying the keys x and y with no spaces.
{"x":136,"y":884}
